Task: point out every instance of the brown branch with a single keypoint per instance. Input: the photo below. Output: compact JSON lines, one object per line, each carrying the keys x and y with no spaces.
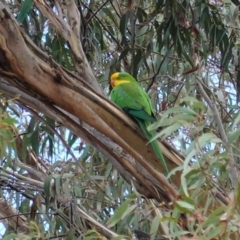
{"x":70,"y":31}
{"x":17,"y":221}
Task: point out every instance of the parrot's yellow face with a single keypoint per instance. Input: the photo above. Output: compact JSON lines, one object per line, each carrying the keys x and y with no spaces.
{"x":119,"y":78}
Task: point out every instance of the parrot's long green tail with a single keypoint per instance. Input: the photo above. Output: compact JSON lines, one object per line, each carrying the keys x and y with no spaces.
{"x":154,"y":144}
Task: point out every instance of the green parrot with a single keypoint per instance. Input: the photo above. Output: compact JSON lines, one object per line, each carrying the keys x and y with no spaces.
{"x":134,"y":101}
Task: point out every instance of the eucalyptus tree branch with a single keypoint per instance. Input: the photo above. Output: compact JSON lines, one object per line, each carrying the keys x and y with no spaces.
{"x":17,"y":221}
{"x":32,"y":172}
{"x":31,"y":181}
{"x":232,"y":164}
{"x":92,"y":109}
{"x":127,"y":167}
{"x":70,"y":31}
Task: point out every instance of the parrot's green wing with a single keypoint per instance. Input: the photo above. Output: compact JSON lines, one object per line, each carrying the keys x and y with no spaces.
{"x":134,"y":100}
{"x":141,"y":114}
{"x":137,"y":104}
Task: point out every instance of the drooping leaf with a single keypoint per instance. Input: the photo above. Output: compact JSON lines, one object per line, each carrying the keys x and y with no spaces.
{"x":26,"y":7}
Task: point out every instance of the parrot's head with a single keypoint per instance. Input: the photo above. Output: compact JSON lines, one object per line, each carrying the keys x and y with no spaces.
{"x":121,"y":78}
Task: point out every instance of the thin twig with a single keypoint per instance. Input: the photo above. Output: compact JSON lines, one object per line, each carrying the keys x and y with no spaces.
{"x":95,"y":13}
{"x":223,"y":135}
{"x":159,"y":68}
{"x":103,"y":26}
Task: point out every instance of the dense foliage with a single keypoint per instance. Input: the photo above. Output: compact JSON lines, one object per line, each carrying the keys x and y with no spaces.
{"x":73,"y":165}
